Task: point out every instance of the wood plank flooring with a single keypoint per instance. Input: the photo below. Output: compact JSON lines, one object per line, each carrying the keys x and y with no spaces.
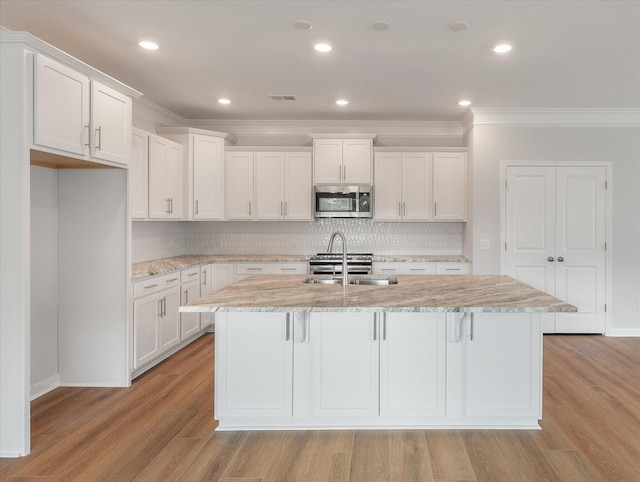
{"x":162,"y":428}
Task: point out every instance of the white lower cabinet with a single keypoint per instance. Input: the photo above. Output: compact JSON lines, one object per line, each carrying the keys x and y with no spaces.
{"x":345,"y":356}
{"x":503,"y":356}
{"x":412,"y":364}
{"x":365,"y":369}
{"x":190,"y":290}
{"x":254,"y":377}
{"x":213,"y":277}
{"x":419,"y":268}
{"x":156,"y":320}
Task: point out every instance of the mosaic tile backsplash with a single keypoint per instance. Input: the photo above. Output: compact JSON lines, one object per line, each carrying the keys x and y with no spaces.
{"x":153,"y":240}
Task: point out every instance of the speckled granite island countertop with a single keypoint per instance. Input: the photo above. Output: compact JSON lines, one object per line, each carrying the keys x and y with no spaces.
{"x":431,"y":293}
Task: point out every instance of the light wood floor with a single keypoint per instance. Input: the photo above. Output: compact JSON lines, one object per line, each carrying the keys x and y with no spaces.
{"x":162,"y":428}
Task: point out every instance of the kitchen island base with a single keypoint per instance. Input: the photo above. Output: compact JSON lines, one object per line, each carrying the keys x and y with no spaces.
{"x":306,"y":370}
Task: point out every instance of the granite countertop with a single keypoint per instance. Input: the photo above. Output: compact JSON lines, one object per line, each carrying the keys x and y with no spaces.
{"x":439,"y":293}
{"x":166,"y":265}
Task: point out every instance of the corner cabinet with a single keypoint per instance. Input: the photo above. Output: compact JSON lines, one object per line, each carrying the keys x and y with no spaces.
{"x":420,"y":186}
{"x":342,"y":160}
{"x":78,"y":115}
{"x":204,"y":170}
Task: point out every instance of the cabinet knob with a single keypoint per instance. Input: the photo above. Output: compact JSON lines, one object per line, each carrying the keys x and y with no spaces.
{"x":550,"y":259}
{"x":560,"y":259}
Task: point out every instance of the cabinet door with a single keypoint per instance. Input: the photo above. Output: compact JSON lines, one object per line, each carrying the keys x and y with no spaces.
{"x":255,"y":378}
{"x":416,"y":186}
{"x":208,"y":181}
{"x":61,"y":107}
{"x":269,"y":185}
{"x":111,"y":120}
{"x":174,"y":186}
{"x":158,"y":199}
{"x":504,"y":365}
{"x":170,"y":320}
{"x":387,"y":190}
{"x":327,"y":161}
{"x":450,"y":186}
{"x":298,"y":188}
{"x":345,"y":354}
{"x":239,"y":186}
{"x":189,"y":322}
{"x":412,"y":364}
{"x":145,"y":327}
{"x":138,"y":174}
{"x":356,"y":160}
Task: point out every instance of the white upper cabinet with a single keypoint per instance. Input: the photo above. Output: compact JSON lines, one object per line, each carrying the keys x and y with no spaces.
{"x":342,"y":161}
{"x":204,"y":171}
{"x":450,"y":186}
{"x":80,"y":116}
{"x":139,"y":174}
{"x":110,"y":124}
{"x":239,"y":192}
{"x":283,"y":185}
{"x":420,"y":186}
{"x":402,"y":190}
{"x":61,"y":107}
{"x":166,"y":167}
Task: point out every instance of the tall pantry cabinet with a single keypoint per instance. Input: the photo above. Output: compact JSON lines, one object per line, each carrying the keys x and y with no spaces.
{"x":55,"y":121}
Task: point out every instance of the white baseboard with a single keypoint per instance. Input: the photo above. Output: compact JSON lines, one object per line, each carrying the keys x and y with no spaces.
{"x":11,"y":455}
{"x":45,"y":386}
{"x":624,"y":332}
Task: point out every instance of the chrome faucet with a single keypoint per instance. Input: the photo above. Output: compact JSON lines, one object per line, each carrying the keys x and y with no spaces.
{"x":345,"y":276}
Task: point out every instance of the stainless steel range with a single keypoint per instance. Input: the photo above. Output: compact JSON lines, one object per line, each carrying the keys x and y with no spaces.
{"x":331,"y":263}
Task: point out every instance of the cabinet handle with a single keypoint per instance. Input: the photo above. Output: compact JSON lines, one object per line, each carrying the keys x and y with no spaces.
{"x":197,"y":207}
{"x":560,"y":259}
{"x":172,"y":280}
{"x":160,"y":307}
{"x":249,"y":208}
{"x":435,"y":208}
{"x":287,"y":269}
{"x":254,"y":269}
{"x":404,"y":208}
{"x":99,"y":131}
{"x":186,"y":296}
{"x":171,"y":204}
{"x":375,"y":326}
{"x":148,"y":287}
{"x":399,"y":208}
{"x":193,"y":274}
{"x":288,"y":327}
{"x":384,"y":326}
{"x":344,"y":173}
{"x":88,"y":128}
{"x":281,"y":208}
{"x":204,"y":281}
{"x":471,"y":327}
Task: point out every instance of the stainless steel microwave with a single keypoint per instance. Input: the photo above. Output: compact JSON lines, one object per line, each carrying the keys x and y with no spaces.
{"x":343,"y":201}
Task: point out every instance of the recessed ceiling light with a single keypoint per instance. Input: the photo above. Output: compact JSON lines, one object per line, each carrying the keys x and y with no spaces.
{"x":224,"y":101}
{"x":458,"y":25}
{"x":464,"y":103}
{"x":502,"y":48}
{"x":342,"y":102}
{"x":322,"y":47}
{"x":380,"y":25}
{"x":302,"y":24}
{"x":149,"y":44}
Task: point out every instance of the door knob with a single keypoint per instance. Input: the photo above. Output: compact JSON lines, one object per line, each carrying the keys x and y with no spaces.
{"x":550,"y":259}
{"x":560,"y":259}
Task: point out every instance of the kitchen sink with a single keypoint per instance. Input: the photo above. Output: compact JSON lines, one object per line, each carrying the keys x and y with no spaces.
{"x":354,"y":280}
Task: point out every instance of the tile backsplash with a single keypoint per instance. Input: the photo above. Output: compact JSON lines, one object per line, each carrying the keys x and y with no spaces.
{"x":153,"y":240}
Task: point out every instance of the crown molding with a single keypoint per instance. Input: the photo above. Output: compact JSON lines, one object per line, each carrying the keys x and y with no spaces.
{"x":145,"y":109}
{"x":292,"y":127}
{"x":573,"y":117}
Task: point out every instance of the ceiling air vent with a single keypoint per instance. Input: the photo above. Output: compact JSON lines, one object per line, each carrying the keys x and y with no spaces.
{"x":283,"y":97}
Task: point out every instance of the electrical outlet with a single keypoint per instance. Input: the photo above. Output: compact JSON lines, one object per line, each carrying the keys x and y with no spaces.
{"x":485,"y":244}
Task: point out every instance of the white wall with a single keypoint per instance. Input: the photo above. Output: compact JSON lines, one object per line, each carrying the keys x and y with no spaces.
{"x":620,"y":145}
{"x":44,"y":280}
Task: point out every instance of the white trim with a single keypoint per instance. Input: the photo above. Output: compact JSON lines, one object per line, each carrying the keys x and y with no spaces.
{"x":45,"y":386}
{"x":624,"y":332}
{"x":147,"y":110}
{"x":531,"y":117}
{"x":608,"y":238}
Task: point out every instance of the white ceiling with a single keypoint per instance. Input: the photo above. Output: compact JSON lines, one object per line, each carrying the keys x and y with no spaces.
{"x":567,"y":54}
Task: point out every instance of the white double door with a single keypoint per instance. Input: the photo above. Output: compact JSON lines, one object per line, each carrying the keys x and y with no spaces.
{"x":555,"y":231}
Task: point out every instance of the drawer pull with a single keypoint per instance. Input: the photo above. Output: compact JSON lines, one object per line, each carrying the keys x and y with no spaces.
{"x":150,"y":286}
{"x":193,"y":274}
{"x":172,"y":280}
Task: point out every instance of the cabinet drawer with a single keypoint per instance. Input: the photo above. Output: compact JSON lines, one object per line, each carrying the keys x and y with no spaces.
{"x":190,"y":275}
{"x":452,"y":268}
{"x":153,"y":285}
{"x":404,"y":268}
{"x":248,"y":269}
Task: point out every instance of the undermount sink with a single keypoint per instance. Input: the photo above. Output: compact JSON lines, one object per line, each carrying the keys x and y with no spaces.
{"x":359,"y":280}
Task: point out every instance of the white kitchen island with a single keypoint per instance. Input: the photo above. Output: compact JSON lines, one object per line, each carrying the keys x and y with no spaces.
{"x":429,"y":352}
